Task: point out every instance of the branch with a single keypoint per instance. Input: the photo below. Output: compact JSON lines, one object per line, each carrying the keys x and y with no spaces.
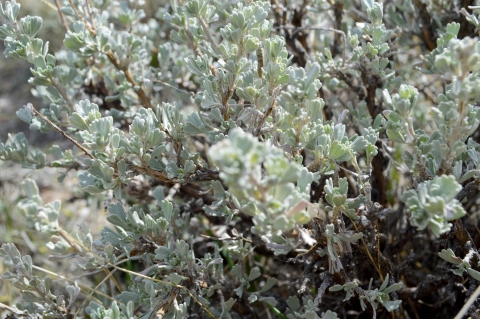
{"x":14,"y":310}
{"x":175,"y":88}
{"x":198,"y":176}
{"x":140,"y":92}
{"x":62,"y":17}
{"x":298,"y":29}
{"x":468,"y":304}
{"x":43,"y":117}
{"x":207,"y":32}
{"x":61,"y":91}
{"x":469,"y":188}
{"x":267,"y":114}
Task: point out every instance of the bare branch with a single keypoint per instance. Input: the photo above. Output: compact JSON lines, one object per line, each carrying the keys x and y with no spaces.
{"x":43,"y":117}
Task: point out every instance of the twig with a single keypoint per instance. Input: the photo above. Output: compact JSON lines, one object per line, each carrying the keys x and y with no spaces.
{"x":61,"y":91}
{"x":14,"y":310}
{"x":207,"y":32}
{"x":91,"y":293}
{"x":378,"y":242}
{"x":197,"y":176}
{"x":248,"y":240}
{"x":269,"y":111}
{"x":62,"y":17}
{"x":467,"y":305}
{"x":202,"y":175}
{"x":87,"y":5}
{"x":175,"y":88}
{"x":115,"y":282}
{"x":71,"y":281}
{"x":297,"y":29}
{"x":142,"y":275}
{"x":75,"y":10}
{"x":163,"y":307}
{"x":128,"y":75}
{"x":49,"y":5}
{"x":308,"y":251}
{"x":367,"y":251}
{"x":470,"y":187}
{"x":43,"y":117}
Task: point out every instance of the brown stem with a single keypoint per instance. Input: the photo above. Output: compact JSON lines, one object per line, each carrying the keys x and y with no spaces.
{"x":128,"y":75}
{"x":267,"y":114}
{"x":207,"y":32}
{"x":62,"y":17}
{"x":368,"y":251}
{"x":62,"y":92}
{"x":198,"y":176}
{"x":43,"y":117}
{"x":426,"y":26}
{"x":88,"y":5}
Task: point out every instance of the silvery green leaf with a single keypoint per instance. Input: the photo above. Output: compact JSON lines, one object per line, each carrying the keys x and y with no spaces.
{"x":337,"y":150}
{"x":162,"y":253}
{"x":339,"y":200}
{"x":253,"y":297}
{"x":11,"y":10}
{"x":394,"y":287}
{"x":359,"y":144}
{"x":475,"y":274}
{"x":198,"y":66}
{"x":449,"y":255}
{"x":385,"y":282}
{"x":336,"y":288}
{"x":189,"y":167}
{"x":453,"y":28}
{"x":329,"y":315}
{"x":445,"y":186}
{"x":8,"y":275}
{"x":135,"y":219}
{"x":117,"y":215}
{"x":126,"y":297}
{"x":25,"y":114}
{"x":175,"y":278}
{"x":27,"y":263}
{"x":7,"y":31}
{"x":31,"y":189}
{"x":237,"y":271}
{"x":48,"y":282}
{"x":376,"y":13}
{"x":229,"y":304}
{"x":313,"y":70}
{"x":269,"y":300}
{"x":468,"y":175}
{"x":56,"y":151}
{"x":172,"y":170}
{"x":217,"y":261}
{"x":158,"y":193}
{"x":268,"y":285}
{"x":122,"y":167}
{"x":254,"y":273}
{"x":293,"y":303}
{"x":391,"y":305}
{"x":73,"y":292}
{"x":239,"y":291}
{"x":396,"y":136}
{"x":352,"y":238}
{"x":203,"y":301}
{"x":167,"y":209}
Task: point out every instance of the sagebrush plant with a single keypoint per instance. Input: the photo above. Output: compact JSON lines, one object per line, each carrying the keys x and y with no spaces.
{"x":284,"y":154}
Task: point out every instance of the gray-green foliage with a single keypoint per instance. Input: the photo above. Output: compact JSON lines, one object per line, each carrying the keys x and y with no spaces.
{"x":433,"y":204}
{"x":246,"y":155}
